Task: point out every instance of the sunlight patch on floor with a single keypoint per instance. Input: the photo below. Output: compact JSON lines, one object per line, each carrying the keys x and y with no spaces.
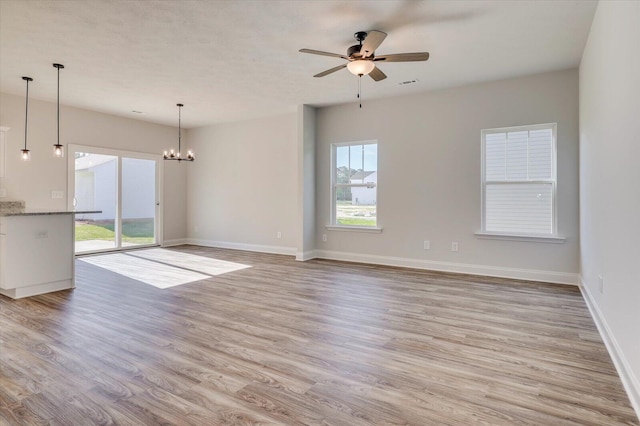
{"x":163,"y":268}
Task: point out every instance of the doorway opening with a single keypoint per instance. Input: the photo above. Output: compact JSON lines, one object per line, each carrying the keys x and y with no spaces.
{"x":124,"y":187}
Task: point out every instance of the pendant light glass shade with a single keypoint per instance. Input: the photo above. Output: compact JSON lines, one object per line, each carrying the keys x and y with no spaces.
{"x":25,"y":154}
{"x":58,"y":149}
{"x":360,"y":67}
{"x":172,"y":155}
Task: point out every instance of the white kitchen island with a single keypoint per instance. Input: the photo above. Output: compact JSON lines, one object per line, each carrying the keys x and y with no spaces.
{"x":36,"y":251}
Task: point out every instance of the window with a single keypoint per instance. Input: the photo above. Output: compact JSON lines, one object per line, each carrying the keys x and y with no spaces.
{"x":519,"y":180}
{"x":354,"y":184}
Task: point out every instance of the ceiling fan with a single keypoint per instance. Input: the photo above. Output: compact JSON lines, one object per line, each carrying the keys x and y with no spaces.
{"x":362,"y":58}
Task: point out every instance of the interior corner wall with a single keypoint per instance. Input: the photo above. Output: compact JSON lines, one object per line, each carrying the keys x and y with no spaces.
{"x":306,"y":182}
{"x":243,"y":186}
{"x":34,"y":180}
{"x":429,"y":168}
{"x":609,"y":183}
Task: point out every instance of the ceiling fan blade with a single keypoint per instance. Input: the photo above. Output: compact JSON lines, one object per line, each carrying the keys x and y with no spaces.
{"x":403,"y":57}
{"x":320,"y":52}
{"x":377,"y":74}
{"x":331,"y":70}
{"x":371,"y":42}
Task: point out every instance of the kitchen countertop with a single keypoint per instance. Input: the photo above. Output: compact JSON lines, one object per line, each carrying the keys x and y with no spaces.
{"x":17,"y":208}
{"x":44,"y":212}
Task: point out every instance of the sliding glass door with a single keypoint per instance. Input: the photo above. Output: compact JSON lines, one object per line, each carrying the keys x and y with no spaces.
{"x":124,"y":187}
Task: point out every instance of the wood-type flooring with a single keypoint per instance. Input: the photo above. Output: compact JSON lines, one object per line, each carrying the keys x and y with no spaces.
{"x":314,"y":343}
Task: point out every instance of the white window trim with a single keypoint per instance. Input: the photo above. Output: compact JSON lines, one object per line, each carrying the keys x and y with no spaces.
{"x":332,"y":215}
{"x":553,"y":237}
{"x":348,"y":228}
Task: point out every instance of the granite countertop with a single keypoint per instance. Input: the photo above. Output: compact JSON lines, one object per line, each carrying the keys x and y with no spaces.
{"x":17,"y":208}
{"x":7,"y":213}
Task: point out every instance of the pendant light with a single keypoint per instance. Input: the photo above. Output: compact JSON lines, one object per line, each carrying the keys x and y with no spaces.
{"x":58,"y":150}
{"x":25,"y":154}
{"x":172,"y":155}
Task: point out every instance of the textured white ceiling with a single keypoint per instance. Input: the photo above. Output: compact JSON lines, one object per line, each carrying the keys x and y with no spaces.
{"x":231,"y":60}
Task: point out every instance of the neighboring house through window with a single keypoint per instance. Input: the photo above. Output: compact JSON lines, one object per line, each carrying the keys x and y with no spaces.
{"x":354,"y":184}
{"x":519,"y":180}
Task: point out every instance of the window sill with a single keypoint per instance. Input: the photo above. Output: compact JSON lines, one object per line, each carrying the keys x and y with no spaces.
{"x":368,"y":229}
{"x":553,"y":239}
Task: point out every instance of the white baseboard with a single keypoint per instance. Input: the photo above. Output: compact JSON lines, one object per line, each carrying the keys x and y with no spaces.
{"x":462,"y":268}
{"x":175,"y":242}
{"x":34,"y":290}
{"x":629,"y":380}
{"x":291,"y":251}
{"x":306,"y":255}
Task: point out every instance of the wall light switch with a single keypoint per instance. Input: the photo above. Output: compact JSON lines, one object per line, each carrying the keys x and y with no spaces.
{"x":3,"y":193}
{"x":279,"y":234}
{"x":324,"y":238}
{"x":427,"y":245}
{"x":57,"y":194}
{"x":454,"y":246}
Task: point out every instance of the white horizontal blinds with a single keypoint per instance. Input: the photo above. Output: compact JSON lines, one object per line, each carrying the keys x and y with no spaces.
{"x":517,"y":155}
{"x":541,"y":154}
{"x":519,"y":208}
{"x":519,"y":181}
{"x":520,"y":155}
{"x":496,"y":156}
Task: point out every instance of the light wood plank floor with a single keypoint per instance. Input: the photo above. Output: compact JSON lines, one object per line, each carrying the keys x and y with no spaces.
{"x":293,"y":343}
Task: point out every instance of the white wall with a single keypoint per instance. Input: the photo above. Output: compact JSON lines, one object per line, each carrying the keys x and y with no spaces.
{"x":429,"y":176}
{"x":33,"y":181}
{"x":306,"y":182}
{"x":243,"y":187}
{"x":610,"y":182}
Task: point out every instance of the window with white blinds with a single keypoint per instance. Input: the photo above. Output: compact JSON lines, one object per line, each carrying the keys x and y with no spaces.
{"x":519,"y":180}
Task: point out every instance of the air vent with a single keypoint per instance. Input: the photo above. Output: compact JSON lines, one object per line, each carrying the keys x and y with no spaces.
{"x":404,"y":83}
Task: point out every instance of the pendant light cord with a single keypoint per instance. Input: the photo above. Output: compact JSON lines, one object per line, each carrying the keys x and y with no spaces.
{"x":26,"y":116}
{"x":58,"y":105}
{"x":179,"y":129}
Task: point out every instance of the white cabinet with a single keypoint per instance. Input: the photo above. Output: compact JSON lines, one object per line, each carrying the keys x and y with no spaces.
{"x":36,"y":254}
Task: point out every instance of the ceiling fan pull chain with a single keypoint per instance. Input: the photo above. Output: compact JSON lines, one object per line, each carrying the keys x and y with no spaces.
{"x":360,"y":89}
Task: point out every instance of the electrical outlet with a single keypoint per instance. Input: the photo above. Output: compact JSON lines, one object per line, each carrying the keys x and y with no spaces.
{"x":601,"y":284}
{"x":454,"y":246}
{"x":427,"y":245}
{"x":279,"y":235}
{"x":3,"y":192}
{"x":57,"y":194}
{"x":324,"y":238}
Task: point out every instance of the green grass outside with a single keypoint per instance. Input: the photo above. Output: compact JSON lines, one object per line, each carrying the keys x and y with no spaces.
{"x":135,"y":232}
{"x":359,"y":221}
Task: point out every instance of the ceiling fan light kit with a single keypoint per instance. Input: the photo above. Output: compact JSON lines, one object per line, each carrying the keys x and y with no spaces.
{"x":361,"y":67}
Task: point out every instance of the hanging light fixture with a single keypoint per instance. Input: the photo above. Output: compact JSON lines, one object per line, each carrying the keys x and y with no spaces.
{"x":25,"y":154}
{"x":58,"y":150}
{"x":172,"y":155}
{"x":361,"y":67}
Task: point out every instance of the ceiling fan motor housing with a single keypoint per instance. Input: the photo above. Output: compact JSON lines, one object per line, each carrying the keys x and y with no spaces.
{"x":354,"y":51}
